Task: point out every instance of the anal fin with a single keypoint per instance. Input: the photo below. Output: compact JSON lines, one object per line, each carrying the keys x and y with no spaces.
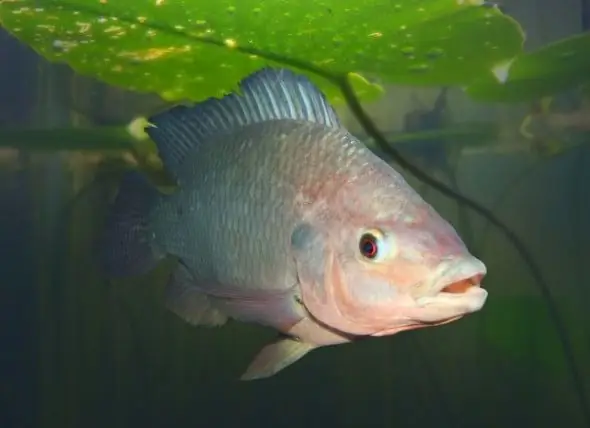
{"x":275,"y":357}
{"x":189,"y":302}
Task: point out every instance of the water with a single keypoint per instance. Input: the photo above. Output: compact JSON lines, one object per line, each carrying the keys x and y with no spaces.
{"x":78,"y":351}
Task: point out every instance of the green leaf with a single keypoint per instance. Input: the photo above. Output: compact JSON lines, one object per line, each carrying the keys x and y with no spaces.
{"x":202,"y":48}
{"x":559,"y":66}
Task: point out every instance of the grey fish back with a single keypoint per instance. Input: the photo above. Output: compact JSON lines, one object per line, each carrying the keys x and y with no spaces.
{"x":232,"y":218}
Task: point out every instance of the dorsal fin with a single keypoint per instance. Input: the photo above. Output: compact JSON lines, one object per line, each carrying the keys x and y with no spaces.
{"x":268,"y":94}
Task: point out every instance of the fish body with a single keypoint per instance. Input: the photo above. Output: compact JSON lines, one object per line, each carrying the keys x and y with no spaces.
{"x":282,"y":218}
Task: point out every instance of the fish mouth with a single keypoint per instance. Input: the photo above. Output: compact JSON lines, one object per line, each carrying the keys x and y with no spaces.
{"x":454,"y":292}
{"x":457,"y":289}
{"x":459,"y":277}
{"x":463,"y":285}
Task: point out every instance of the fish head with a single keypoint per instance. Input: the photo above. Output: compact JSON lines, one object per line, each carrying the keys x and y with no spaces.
{"x":380,"y":260}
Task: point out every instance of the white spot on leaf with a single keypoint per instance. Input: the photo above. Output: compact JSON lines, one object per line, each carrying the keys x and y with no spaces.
{"x":501,"y":71}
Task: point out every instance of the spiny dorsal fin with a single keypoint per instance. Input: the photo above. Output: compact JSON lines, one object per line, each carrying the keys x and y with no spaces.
{"x":268,"y":94}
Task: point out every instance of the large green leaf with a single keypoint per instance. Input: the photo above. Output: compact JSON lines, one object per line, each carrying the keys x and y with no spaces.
{"x":553,"y":68}
{"x":201,"y":48}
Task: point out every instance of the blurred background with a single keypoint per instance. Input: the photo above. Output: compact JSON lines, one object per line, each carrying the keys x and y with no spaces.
{"x":78,"y":351}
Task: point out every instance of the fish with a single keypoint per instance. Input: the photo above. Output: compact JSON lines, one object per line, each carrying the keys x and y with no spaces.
{"x":280,"y":217}
{"x":549,"y":132}
{"x":548,"y":121}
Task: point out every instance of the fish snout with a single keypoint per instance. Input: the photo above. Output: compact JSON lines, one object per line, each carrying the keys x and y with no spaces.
{"x":457,"y":286}
{"x":456,"y":276}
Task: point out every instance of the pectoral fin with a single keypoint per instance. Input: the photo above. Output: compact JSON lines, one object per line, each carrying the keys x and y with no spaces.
{"x":275,"y":357}
{"x":189,"y":302}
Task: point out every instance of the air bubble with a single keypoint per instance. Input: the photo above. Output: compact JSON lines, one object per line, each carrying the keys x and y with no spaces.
{"x":408,"y":50}
{"x":419,"y":68}
{"x":435,"y":53}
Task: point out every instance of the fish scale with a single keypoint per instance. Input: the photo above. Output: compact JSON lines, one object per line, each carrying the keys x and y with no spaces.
{"x":229,"y":254}
{"x":284,"y":219}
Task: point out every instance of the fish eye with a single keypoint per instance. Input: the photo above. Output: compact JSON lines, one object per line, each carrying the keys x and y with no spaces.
{"x":369,"y":244}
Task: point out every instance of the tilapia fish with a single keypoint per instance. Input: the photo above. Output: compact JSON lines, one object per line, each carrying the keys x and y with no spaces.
{"x":282,"y":218}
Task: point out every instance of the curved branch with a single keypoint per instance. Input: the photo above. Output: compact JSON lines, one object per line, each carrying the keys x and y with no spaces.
{"x":567,"y":348}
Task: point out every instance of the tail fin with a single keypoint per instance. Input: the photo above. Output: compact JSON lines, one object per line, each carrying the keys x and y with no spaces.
{"x":125,"y":247}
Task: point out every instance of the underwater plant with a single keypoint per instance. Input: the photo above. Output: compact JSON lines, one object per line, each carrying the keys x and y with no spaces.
{"x":557,"y":67}
{"x":155,"y":47}
{"x":178,"y":49}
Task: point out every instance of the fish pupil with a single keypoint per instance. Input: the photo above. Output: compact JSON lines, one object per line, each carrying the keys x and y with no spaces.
{"x":368,"y":246}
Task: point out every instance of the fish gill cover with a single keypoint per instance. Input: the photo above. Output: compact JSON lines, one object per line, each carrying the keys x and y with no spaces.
{"x":192,"y":50}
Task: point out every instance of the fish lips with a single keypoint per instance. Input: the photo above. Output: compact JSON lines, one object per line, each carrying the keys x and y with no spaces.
{"x":454,"y":292}
{"x":458,"y":286}
{"x":457,"y":276}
